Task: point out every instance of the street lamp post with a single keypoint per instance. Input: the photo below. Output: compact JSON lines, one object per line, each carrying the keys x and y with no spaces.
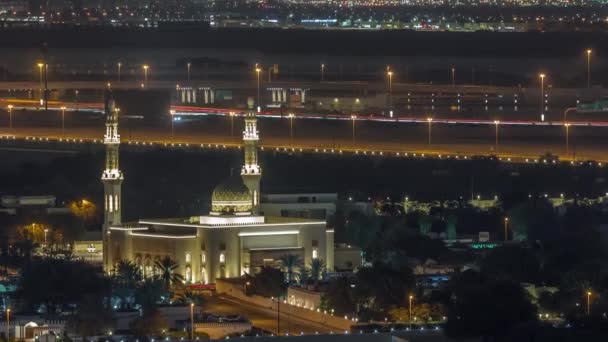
{"x":589,"y":68}
{"x":10,"y":116}
{"x":247,"y":283}
{"x":542,"y":97}
{"x":390,"y":88}
{"x":322,"y":71}
{"x":191,"y":321}
{"x":496,"y":123}
{"x":410,"y":310}
{"x":62,"y":120}
{"x":588,"y":303}
{"x":506,"y":228}
{"x":40,"y":66}
{"x":257,"y":71}
{"x":146,"y":67}
{"x":353,"y":118}
{"x":291,"y":116}
{"x":46,"y":231}
{"x":430,"y":121}
{"x":188,"y":65}
{"x":453,"y":77}
{"x":172,"y":113}
{"x":119,"y":67}
{"x":567,"y":125}
{"x":8,"y":324}
{"x":232,"y":123}
{"x":76,"y":98}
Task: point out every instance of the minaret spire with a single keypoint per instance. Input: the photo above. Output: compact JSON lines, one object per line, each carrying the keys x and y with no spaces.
{"x":251,"y":171}
{"x":112,"y":179}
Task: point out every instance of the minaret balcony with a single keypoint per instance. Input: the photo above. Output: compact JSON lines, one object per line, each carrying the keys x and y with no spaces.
{"x":251,"y":170}
{"x":112,"y":174}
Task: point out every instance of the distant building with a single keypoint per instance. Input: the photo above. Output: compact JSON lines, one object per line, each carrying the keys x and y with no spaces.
{"x":314,"y":206}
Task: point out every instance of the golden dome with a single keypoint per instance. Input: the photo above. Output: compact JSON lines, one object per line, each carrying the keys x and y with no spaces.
{"x":231,"y":197}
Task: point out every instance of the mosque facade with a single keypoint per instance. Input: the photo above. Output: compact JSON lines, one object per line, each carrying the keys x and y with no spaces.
{"x":234,"y":238}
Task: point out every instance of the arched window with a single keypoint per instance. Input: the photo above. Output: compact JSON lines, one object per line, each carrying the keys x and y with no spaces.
{"x":188,"y":274}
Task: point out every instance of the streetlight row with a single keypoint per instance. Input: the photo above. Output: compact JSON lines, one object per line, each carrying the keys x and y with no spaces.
{"x":292,"y":149}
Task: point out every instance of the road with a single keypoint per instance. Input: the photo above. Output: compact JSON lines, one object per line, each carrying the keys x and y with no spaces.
{"x":261,"y":318}
{"x":332,"y":136}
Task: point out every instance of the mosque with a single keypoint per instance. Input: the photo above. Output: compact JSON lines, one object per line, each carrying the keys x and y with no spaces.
{"x":234,"y":238}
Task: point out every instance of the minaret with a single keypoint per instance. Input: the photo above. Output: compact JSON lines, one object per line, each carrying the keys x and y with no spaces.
{"x":251,"y":171}
{"x":112,"y":179}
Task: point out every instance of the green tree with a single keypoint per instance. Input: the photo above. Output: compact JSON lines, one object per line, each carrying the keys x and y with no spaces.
{"x":127,"y":273}
{"x":451,"y":221}
{"x":151,"y":322}
{"x":518,"y":263}
{"x":168,"y":271}
{"x":382,"y":286}
{"x":479,"y":305}
{"x":269,"y":282}
{"x":291,"y":265}
{"x":65,"y":284}
{"x":151,"y":291}
{"x":339,"y":297}
{"x":316,"y":270}
{"x":425,"y":223}
{"x":92,"y":317}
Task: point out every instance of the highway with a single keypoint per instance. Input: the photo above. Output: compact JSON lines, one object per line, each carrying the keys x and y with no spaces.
{"x":517,"y":142}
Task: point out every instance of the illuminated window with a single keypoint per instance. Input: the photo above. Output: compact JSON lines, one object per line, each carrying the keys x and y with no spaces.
{"x":203,"y":258}
{"x":188,"y":274}
{"x":222,"y":258}
{"x":188,"y":258}
{"x":315,"y":253}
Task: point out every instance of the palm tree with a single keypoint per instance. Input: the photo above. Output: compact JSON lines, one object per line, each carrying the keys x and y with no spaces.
{"x":291,"y":265}
{"x":316,"y":270}
{"x":127,"y":273}
{"x":167,"y":269}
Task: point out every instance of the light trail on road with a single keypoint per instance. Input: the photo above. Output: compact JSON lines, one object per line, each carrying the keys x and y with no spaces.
{"x":179,"y":111}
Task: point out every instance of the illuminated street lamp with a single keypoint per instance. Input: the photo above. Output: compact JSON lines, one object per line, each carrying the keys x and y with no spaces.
{"x":322,"y":71}
{"x":188,"y":65}
{"x":589,"y":68}
{"x":506,"y":228}
{"x":76,"y":98}
{"x":62,"y":120}
{"x":119,"y":64}
{"x":430,"y":121}
{"x":353,"y":118}
{"x":389,"y":73}
{"x":46,"y":231}
{"x":496,"y":123}
{"x":257,"y":72}
{"x":192,"y":321}
{"x":410,"y":310}
{"x":146,"y":67}
{"x":542,"y":97}
{"x":40,"y":67}
{"x":10,"y":116}
{"x":453,"y":77}
{"x":291,"y":116}
{"x":172,"y":113}
{"x":588,"y":303}
{"x":567,"y":125}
